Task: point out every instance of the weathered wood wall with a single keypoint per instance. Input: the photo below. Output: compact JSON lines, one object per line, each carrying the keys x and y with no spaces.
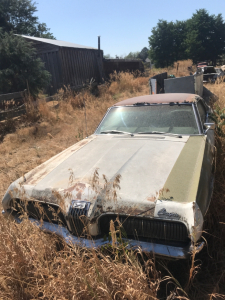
{"x":79,"y":66}
{"x":53,"y":65}
{"x":70,"y":66}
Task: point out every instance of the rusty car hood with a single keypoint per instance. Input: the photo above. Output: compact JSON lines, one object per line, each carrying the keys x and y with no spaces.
{"x":148,"y":165}
{"x":159,"y":177}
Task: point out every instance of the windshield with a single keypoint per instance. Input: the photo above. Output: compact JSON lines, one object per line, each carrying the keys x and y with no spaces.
{"x":177,"y":119}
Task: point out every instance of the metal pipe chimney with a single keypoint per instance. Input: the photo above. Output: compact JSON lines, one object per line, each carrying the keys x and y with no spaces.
{"x":99,"y":46}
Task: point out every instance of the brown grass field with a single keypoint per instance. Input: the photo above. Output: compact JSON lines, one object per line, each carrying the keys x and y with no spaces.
{"x":38,"y":265}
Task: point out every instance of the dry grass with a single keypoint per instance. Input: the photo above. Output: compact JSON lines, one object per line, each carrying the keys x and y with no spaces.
{"x":179,"y":69}
{"x":36,"y":265}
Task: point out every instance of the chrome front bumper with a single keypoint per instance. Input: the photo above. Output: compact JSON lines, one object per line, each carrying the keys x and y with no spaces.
{"x":158,"y":249}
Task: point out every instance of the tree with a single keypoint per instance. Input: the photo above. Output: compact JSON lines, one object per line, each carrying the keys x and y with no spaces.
{"x":132,"y":55}
{"x":18,"y":16}
{"x":107,"y":56}
{"x":179,"y":37}
{"x":19,"y":67}
{"x":143,"y":54}
{"x":205,"y":36}
{"x":161,"y":44}
{"x":200,"y":38}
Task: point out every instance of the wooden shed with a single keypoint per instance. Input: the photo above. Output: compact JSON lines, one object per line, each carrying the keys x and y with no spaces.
{"x":69,"y":64}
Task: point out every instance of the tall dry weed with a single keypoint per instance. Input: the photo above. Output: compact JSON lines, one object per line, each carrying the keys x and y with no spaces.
{"x":121,"y":82}
{"x":179,"y":69}
{"x":36,"y":265}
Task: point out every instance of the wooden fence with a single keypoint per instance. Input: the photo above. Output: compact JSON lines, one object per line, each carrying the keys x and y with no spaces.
{"x":13,"y":105}
{"x":12,"y":99}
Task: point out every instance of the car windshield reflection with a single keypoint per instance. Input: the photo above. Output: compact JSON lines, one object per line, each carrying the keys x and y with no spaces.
{"x":175,"y":119}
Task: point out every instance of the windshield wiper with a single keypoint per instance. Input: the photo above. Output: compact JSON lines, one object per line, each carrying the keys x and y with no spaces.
{"x":116,"y":131}
{"x":160,"y":132}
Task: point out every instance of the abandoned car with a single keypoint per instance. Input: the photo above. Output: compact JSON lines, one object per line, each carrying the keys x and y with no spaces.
{"x":210,"y":74}
{"x":148,"y":167}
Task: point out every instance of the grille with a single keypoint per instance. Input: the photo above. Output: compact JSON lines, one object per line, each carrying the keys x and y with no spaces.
{"x":77,"y":217}
{"x":40,"y":211}
{"x":147,"y":228}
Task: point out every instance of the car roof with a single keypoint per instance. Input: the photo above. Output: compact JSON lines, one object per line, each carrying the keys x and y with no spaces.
{"x":160,"y":98}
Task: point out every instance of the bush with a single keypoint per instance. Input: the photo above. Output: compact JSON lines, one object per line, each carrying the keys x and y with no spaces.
{"x":19,"y":68}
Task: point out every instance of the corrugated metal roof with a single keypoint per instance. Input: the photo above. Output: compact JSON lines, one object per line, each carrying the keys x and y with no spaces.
{"x":57,"y":42}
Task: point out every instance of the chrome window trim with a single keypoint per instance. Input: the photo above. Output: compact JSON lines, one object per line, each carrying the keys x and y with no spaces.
{"x":206,"y":113}
{"x":195,"y":109}
{"x":102,"y":119}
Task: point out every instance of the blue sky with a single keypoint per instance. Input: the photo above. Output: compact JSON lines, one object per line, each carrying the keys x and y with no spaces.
{"x":124,"y":25}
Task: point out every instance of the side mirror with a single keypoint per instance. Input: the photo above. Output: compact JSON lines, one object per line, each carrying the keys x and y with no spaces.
{"x":209,"y":126}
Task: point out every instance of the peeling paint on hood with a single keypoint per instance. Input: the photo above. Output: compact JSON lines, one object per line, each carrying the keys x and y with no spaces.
{"x":144,"y":163}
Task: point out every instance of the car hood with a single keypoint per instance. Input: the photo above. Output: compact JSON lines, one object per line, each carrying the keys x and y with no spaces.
{"x":143,"y":162}
{"x":149,"y":175}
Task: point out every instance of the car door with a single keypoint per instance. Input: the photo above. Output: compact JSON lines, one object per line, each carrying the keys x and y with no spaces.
{"x":208,"y":165}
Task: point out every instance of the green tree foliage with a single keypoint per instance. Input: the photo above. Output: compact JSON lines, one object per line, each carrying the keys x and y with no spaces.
{"x":132,"y":55}
{"x":107,"y":56}
{"x":161,"y":44}
{"x":19,"y":67}
{"x":18,"y":63}
{"x":205,"y":38}
{"x":200,"y":38}
{"x":179,"y":36}
{"x":18,"y":16}
{"x":143,"y":54}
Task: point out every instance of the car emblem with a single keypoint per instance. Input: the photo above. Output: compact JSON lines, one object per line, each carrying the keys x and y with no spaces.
{"x":78,"y":204}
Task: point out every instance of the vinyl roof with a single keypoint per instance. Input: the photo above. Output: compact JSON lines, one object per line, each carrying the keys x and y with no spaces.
{"x":160,"y":98}
{"x":56,"y":42}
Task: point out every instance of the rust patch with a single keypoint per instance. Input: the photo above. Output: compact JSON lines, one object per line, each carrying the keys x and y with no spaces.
{"x":134,"y":211}
{"x":109,"y":208}
{"x":81,"y":144}
{"x":78,"y":195}
{"x":32,"y":181}
{"x":79,"y":187}
{"x":128,"y":210}
{"x":159,"y":98}
{"x":84,"y":143}
{"x":151,"y":199}
{"x":33,"y":172}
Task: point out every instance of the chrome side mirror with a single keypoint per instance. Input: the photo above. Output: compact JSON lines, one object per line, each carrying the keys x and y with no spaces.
{"x":209,"y":126}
